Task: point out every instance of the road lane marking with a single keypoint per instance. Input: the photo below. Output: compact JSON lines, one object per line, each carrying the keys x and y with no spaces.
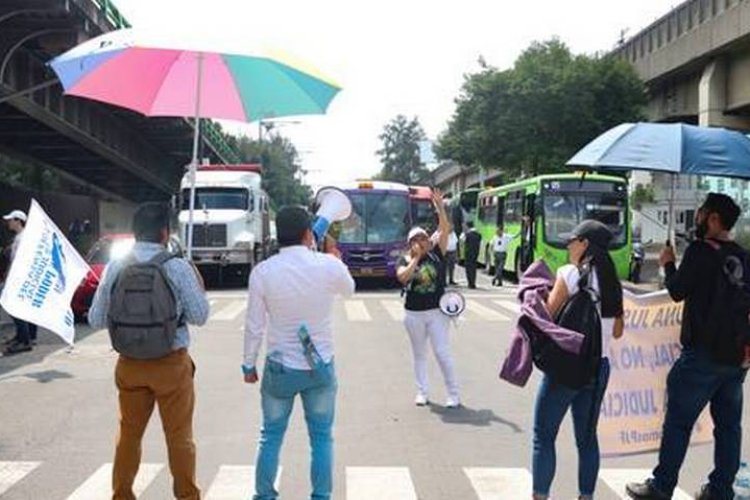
{"x":230,"y":312}
{"x":12,"y":472}
{"x":495,"y":483}
{"x":509,"y":305}
{"x":99,"y":485}
{"x":356,"y":311}
{"x":616,"y":479}
{"x":395,"y":309}
{"x":378,"y":483}
{"x":484,"y":312}
{"x":235,"y":481}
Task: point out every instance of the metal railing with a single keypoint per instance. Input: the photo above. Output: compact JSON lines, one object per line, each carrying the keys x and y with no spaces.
{"x":112,"y":14}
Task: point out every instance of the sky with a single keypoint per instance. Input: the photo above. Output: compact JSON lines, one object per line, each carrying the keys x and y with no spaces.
{"x":391,"y":57}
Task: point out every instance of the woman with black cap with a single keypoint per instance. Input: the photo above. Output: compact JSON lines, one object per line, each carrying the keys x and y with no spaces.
{"x":587,"y":246}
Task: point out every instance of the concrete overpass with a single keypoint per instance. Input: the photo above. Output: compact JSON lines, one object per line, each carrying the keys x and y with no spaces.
{"x":453,"y":178}
{"x":695,"y":61}
{"x":113,"y":153}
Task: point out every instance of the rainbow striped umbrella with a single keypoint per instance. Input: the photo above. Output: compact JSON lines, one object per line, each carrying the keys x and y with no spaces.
{"x":157,"y":76}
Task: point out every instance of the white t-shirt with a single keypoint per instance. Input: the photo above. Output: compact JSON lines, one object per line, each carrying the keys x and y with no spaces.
{"x":452,"y":240}
{"x":570,"y":275}
{"x":500,"y":243}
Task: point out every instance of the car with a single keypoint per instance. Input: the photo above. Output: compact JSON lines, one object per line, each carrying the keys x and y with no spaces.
{"x":107,"y":248}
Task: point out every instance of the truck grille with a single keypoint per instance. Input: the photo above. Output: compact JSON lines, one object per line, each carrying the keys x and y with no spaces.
{"x":209,"y":235}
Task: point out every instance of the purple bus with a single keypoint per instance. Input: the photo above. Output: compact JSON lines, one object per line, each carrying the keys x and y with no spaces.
{"x":373,"y":238}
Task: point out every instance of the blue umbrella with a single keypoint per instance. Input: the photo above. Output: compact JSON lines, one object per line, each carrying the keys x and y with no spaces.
{"x":673,"y":148}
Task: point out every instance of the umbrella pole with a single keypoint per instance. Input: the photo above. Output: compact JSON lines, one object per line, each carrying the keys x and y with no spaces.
{"x":670,"y":227}
{"x":194,"y":161}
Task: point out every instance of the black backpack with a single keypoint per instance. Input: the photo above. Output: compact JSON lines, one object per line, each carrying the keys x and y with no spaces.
{"x":730,"y":307}
{"x":580,"y":313}
{"x":142,"y":316}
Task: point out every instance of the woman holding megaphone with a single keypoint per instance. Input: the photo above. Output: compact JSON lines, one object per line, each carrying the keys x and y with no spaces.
{"x":422,"y":272}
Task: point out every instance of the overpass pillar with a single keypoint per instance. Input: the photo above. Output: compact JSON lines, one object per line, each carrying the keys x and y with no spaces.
{"x":712,"y":98}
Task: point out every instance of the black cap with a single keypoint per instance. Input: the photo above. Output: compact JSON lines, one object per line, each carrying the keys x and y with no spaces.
{"x":291,"y":224}
{"x":594,"y":231}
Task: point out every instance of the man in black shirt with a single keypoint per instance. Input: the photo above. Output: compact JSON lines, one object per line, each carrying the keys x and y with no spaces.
{"x":471,"y":253}
{"x":697,"y":377}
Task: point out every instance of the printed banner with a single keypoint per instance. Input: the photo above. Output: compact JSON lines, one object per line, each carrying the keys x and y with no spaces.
{"x":635,"y":403}
{"x":44,"y":276}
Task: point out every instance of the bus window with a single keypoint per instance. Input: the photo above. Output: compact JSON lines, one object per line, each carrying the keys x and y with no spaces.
{"x":500,"y":210}
{"x":563,"y":211}
{"x":487,"y":211}
{"x":513,"y":208}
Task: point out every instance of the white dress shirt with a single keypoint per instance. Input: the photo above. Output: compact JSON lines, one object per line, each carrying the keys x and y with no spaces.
{"x":294,"y":288}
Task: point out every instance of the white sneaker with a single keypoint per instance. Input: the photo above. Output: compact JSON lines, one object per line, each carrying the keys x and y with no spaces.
{"x":421,"y":400}
{"x":452,"y":402}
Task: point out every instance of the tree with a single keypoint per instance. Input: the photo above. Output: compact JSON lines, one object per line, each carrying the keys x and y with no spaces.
{"x":281,"y":171}
{"x":530,"y":119}
{"x":399,"y":154}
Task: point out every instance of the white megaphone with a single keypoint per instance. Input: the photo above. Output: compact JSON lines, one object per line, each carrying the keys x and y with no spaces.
{"x":333,"y":206}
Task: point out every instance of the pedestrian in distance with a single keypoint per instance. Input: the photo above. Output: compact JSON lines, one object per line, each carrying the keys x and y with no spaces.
{"x":422,"y":273}
{"x":26,"y":332}
{"x":591,"y":267}
{"x":290,"y":302}
{"x":146,"y":300}
{"x":472,"y":242}
{"x":499,"y":246}
{"x":712,"y":366}
{"x":451,"y":257}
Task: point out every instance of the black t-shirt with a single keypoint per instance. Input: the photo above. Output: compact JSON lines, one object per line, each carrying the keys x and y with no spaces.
{"x":473,"y":241}
{"x":695,"y":282}
{"x":427,"y":285}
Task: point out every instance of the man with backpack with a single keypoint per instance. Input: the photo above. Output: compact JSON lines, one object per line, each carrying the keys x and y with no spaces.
{"x":712,"y":367}
{"x":146,"y":301}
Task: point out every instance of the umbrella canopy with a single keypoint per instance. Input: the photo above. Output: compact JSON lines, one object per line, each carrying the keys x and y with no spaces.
{"x":668,"y":147}
{"x":157,"y":76}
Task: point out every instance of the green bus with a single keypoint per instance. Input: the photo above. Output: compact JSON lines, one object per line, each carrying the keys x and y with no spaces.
{"x":538,"y":211}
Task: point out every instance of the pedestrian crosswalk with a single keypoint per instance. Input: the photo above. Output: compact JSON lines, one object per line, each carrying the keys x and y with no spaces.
{"x":360,"y":483}
{"x":376,"y":308}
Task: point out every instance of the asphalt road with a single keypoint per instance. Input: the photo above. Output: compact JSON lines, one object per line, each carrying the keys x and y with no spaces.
{"x":58,"y":416}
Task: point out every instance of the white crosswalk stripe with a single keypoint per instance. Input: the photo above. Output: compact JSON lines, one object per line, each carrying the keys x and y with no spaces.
{"x":356,"y":311}
{"x":492,"y":483}
{"x":616,"y":479}
{"x":235,"y":481}
{"x":378,"y":483}
{"x":486,"y":313}
{"x":509,"y":305}
{"x":12,"y":472}
{"x":395,"y":309}
{"x":99,"y":485}
{"x":230,"y":311}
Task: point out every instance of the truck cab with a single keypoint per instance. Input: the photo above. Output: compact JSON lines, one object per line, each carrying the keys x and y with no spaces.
{"x":231,"y":224}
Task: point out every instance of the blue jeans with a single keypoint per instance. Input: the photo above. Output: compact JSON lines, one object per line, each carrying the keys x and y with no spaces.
{"x":694,"y":381}
{"x":279,"y":387}
{"x":552,"y":403}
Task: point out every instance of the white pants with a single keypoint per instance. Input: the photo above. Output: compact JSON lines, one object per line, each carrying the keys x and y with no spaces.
{"x":432,"y":325}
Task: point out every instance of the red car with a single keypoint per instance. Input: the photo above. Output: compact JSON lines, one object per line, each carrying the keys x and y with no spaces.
{"x":109,"y":247}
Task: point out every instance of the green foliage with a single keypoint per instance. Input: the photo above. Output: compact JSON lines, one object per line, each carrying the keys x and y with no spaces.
{"x":281,"y":172}
{"x":532,"y":118}
{"x":29,"y":176}
{"x":399,"y":154}
{"x":641,"y":195}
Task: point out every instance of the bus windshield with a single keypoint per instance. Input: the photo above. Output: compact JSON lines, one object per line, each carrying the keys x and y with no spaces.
{"x":423,"y":214}
{"x":217,"y":199}
{"x":564,"y":210}
{"x":376,"y":218}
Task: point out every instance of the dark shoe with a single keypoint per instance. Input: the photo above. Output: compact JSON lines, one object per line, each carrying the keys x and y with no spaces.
{"x":472,"y":287}
{"x":453,"y":283}
{"x":706,"y":494}
{"x":17,"y":347}
{"x":10,"y":341}
{"x":645,"y":491}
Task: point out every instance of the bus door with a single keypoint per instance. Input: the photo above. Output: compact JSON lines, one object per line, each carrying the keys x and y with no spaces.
{"x":528,"y":231}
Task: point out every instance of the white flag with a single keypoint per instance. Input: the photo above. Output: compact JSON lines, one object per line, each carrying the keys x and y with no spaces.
{"x":44,"y":276}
